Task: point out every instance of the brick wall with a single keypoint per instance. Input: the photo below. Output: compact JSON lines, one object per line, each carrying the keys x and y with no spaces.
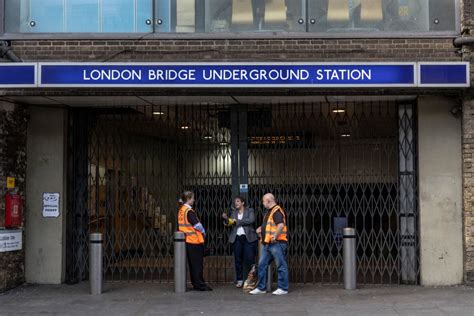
{"x":238,"y":50}
{"x":13,"y":120}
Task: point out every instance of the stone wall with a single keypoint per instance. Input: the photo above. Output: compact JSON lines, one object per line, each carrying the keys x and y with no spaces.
{"x":468,"y":184}
{"x":13,"y":121}
{"x":468,"y":149}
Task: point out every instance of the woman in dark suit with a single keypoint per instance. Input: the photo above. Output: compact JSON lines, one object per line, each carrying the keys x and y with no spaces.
{"x":243,"y":237}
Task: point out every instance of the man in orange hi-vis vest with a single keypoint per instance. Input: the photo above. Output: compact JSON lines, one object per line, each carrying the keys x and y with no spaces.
{"x":189,"y":224}
{"x":274,"y":234}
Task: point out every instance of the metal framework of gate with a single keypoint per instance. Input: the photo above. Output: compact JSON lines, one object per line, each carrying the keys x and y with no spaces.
{"x":329,"y":165}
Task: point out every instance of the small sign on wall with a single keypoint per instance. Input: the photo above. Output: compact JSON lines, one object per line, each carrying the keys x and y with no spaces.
{"x":244,"y":188}
{"x":50,"y":204}
{"x":10,"y":240}
{"x":10,"y":183}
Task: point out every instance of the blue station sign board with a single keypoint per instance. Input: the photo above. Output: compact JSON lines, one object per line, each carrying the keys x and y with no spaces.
{"x":235,"y":75}
{"x":444,"y":74}
{"x":18,"y":75}
{"x":229,"y":75}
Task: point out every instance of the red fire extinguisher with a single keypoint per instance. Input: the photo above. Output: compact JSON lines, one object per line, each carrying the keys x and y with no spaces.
{"x":13,"y":210}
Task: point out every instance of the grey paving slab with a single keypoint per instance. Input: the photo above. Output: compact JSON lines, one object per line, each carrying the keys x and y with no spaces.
{"x":159,"y":299}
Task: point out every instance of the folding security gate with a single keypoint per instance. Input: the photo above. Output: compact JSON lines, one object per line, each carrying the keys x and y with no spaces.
{"x":329,"y":165}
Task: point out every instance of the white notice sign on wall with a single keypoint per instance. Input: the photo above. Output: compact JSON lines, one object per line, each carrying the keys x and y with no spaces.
{"x":50,"y":204}
{"x":10,"y":240}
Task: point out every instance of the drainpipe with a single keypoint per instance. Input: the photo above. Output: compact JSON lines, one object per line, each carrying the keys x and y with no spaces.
{"x":460,"y":41}
{"x":6,"y":52}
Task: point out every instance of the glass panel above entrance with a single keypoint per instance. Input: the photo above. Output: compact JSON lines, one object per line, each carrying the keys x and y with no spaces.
{"x":255,"y":15}
{"x":231,"y":16}
{"x":336,"y":16}
{"x":78,"y":16}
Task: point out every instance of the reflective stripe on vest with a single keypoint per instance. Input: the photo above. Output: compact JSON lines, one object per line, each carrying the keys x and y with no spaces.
{"x":192,"y":236}
{"x":271,"y":227}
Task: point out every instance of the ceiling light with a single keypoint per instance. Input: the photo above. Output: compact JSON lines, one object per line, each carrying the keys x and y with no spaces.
{"x":338,"y":111}
{"x":346,"y":135}
{"x":158,"y":113}
{"x":184,"y":127}
{"x":208,"y":136}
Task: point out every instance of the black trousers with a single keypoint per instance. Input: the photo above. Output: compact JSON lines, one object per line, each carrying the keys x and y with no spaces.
{"x":195,"y":254}
{"x":244,"y":256}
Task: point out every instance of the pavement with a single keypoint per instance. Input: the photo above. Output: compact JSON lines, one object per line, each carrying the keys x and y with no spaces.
{"x":159,"y":299}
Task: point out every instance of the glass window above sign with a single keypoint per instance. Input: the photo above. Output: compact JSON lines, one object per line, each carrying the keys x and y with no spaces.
{"x":382,"y":15}
{"x":230,"y":16}
{"x":78,"y":16}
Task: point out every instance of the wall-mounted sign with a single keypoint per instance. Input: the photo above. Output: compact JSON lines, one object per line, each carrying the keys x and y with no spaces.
{"x":447,"y":75}
{"x":236,"y":75}
{"x":228,"y":75}
{"x":10,"y":240}
{"x":50,"y":204}
{"x":18,"y":75}
{"x":288,"y":140}
{"x":10,"y":183}
{"x":244,"y":188}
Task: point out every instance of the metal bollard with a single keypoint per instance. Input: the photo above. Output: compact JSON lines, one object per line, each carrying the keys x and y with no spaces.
{"x":269,"y":271}
{"x":95,"y":263}
{"x":349,"y":254}
{"x":179,"y":262}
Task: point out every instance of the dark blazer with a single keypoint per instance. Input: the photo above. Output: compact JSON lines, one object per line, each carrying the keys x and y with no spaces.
{"x":247,"y":223}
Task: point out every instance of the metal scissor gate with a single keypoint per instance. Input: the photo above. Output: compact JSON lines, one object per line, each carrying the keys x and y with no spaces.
{"x":329,"y":165}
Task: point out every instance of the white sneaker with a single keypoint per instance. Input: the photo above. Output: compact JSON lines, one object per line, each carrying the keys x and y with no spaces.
{"x":239,"y":283}
{"x":280,"y":292}
{"x":257,"y":291}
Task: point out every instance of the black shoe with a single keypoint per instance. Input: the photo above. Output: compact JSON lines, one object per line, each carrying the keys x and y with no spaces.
{"x":202,"y":289}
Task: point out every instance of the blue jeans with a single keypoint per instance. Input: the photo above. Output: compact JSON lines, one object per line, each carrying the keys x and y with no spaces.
{"x":270,"y":252}
{"x":244,"y":255}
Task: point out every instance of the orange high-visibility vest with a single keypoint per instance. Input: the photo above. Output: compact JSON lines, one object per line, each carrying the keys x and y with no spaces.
{"x":271,"y":227}
{"x":193,"y":236}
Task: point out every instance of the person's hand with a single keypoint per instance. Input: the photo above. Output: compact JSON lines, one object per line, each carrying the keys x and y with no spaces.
{"x":259,"y":230}
{"x":224,"y":216}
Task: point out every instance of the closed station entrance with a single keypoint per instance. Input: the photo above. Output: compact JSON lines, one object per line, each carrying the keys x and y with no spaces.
{"x":329,"y":164}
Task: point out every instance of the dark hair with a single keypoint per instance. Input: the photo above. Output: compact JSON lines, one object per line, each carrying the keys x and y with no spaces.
{"x":238,"y":197}
{"x":186,"y":196}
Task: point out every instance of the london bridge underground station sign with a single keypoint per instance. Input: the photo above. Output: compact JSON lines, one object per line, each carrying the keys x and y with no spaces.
{"x":238,"y":75}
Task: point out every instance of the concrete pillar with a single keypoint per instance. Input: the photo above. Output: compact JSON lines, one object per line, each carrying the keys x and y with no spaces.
{"x":46,"y":163}
{"x":440,"y":192}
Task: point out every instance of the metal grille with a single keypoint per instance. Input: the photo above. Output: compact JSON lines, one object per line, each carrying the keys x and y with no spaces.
{"x":206,"y":169}
{"x":329,"y":165}
{"x":332,"y":165}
